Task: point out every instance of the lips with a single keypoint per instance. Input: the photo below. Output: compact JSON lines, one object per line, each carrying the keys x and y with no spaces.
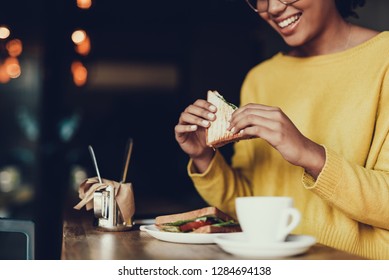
{"x":288,"y":21}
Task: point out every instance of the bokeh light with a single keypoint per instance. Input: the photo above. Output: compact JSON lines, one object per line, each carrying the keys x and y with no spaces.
{"x":80,"y":73}
{"x":84,"y":4}
{"x":14,"y":47}
{"x":78,"y":36}
{"x":12,"y":67}
{"x":4,"y":32}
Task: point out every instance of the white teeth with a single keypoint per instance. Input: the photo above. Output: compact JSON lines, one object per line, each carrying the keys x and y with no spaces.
{"x":288,"y":21}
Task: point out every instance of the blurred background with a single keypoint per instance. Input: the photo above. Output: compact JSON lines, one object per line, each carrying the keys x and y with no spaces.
{"x":75,"y":73}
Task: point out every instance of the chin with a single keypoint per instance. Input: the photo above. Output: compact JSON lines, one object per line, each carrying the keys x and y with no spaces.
{"x":293,"y":41}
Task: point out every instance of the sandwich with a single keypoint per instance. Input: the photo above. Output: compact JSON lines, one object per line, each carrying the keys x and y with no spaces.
{"x":217,"y":134}
{"x":205,"y":220}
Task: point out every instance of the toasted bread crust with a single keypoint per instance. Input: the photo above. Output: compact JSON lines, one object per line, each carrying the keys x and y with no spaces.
{"x":207,"y":211}
{"x":223,"y":140}
{"x":216,"y":229}
{"x":206,"y":229}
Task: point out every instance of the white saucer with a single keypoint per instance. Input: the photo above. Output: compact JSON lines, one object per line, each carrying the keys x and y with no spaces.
{"x":237,"y":244}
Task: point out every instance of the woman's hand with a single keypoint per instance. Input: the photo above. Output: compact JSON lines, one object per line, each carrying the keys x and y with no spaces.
{"x":190,"y":132}
{"x":272,"y":125}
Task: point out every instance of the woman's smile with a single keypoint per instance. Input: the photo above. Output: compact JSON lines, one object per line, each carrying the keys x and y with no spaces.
{"x":287,"y":25}
{"x":288,"y":21}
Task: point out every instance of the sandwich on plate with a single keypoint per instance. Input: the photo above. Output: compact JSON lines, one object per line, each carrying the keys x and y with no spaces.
{"x":217,"y":134}
{"x":205,"y":220}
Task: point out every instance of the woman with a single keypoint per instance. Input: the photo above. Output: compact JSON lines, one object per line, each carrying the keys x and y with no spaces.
{"x":319,"y":116}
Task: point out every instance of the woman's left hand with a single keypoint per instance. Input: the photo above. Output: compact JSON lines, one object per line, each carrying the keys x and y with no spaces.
{"x":272,"y":125}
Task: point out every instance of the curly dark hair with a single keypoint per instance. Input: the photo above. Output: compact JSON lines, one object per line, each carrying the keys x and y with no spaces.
{"x":346,"y":7}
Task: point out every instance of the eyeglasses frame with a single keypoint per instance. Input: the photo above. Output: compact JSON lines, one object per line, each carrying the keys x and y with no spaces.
{"x":283,"y":2}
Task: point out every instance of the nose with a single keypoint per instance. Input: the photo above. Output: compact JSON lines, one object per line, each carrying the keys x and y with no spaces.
{"x":276,"y":7}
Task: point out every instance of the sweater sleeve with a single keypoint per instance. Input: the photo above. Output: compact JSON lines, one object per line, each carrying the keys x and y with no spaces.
{"x":220,"y":184}
{"x":361,"y":192}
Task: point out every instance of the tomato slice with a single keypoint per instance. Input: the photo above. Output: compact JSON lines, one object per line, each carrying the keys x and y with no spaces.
{"x":194,"y":225}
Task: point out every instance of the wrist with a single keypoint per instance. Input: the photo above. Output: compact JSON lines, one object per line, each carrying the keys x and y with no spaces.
{"x":201,"y":162}
{"x":315,"y":161}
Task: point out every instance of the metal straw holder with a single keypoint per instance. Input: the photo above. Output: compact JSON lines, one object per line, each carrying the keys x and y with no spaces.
{"x":107,"y":213}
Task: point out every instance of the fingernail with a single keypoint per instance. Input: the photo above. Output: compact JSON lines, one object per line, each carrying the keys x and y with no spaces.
{"x":212,"y":108}
{"x":193,"y":127}
{"x":204,"y":122}
{"x":232,"y":130}
{"x":241,"y":132}
{"x":211,"y":116}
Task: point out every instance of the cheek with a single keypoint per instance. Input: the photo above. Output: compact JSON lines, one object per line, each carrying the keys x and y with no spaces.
{"x":265,"y":16}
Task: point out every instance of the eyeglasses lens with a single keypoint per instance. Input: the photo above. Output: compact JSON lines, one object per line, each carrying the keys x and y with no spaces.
{"x":262,"y":5}
{"x":258,"y":5}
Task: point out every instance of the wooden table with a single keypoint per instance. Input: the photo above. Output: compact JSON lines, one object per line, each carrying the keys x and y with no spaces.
{"x":81,"y":241}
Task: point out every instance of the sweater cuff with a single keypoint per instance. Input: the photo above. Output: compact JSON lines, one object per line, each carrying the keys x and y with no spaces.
{"x":208,"y":176}
{"x":329,"y":177}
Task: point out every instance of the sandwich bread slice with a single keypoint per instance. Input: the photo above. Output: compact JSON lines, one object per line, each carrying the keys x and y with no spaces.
{"x":205,"y":220}
{"x":217,"y":134}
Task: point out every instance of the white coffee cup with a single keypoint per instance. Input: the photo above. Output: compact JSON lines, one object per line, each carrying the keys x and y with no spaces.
{"x":266,"y":219}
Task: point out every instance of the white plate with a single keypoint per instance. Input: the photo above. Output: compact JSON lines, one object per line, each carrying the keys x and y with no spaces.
{"x":144,"y":221}
{"x":179,"y":237}
{"x":238,"y":245}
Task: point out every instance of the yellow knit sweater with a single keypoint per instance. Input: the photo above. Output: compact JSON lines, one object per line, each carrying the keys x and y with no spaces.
{"x":340,"y":101}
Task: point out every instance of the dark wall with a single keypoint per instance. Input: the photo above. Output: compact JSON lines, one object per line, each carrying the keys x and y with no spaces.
{"x":207,"y":44}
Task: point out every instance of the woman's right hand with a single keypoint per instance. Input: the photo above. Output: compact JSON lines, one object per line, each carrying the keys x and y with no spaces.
{"x":190,"y":132}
